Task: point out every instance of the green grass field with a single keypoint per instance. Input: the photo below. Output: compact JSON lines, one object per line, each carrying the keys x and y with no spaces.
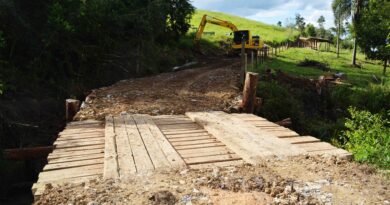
{"x":359,"y":77}
{"x":269,"y":33}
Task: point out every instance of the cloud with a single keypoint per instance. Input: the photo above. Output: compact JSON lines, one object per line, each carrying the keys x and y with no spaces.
{"x":272,"y":11}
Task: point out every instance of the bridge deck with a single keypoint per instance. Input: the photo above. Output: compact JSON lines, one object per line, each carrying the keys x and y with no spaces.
{"x":136,"y":144}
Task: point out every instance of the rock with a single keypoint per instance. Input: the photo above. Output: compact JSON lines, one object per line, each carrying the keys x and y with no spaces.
{"x":182,"y":182}
{"x":93,"y":203}
{"x":180,"y":189}
{"x":163,"y":197}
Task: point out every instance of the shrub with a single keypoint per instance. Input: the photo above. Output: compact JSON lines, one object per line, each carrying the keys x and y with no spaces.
{"x":367,"y":136}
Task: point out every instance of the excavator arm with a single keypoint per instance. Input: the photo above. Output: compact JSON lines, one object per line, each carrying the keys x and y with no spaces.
{"x":208,"y":19}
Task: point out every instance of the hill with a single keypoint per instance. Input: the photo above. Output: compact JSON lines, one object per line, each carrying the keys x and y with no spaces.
{"x":269,"y":33}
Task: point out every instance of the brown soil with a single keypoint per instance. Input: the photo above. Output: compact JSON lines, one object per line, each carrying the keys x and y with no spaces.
{"x":295,"y":180}
{"x":213,"y":85}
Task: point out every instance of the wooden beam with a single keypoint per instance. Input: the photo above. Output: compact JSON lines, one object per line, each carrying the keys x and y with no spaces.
{"x":72,"y":106}
{"x":249,"y":93}
{"x":27,"y":153}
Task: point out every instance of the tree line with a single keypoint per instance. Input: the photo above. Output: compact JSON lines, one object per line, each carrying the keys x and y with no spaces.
{"x":70,"y":45}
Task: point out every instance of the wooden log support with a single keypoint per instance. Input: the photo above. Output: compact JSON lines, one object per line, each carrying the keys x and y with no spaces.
{"x":27,"y":153}
{"x":72,"y":106}
{"x":249,"y":93}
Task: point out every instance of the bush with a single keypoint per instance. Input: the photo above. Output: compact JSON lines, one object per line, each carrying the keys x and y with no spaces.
{"x":368,"y":137}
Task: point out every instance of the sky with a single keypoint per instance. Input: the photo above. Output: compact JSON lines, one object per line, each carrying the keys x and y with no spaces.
{"x":272,"y":11}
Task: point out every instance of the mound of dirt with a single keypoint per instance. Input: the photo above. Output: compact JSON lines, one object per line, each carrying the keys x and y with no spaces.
{"x":211,"y":86}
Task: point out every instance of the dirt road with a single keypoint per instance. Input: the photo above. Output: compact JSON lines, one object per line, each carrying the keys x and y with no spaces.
{"x":213,"y":85}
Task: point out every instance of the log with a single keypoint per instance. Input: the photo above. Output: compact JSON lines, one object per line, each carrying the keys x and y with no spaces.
{"x":72,"y":106}
{"x":27,"y":153}
{"x":249,"y":93}
{"x":285,"y":122}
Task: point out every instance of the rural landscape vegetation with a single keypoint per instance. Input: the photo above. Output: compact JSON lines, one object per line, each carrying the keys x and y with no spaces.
{"x":337,"y":91}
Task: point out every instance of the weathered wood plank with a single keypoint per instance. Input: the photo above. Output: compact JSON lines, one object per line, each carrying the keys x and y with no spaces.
{"x":71,"y":172}
{"x":212,"y":159}
{"x":111,"y":167}
{"x":70,"y":144}
{"x":155,"y":153}
{"x":301,"y":139}
{"x":187,"y":139}
{"x":196,"y":142}
{"x":66,"y":165}
{"x":126,"y":163}
{"x":76,"y":158}
{"x":141,"y":157}
{"x":170,"y":153}
{"x":56,"y":154}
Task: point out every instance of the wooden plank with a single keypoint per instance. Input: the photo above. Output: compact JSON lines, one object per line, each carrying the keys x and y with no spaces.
{"x":141,"y":157}
{"x":192,"y":142}
{"x":187,"y":139}
{"x":88,"y":147}
{"x":188,"y":135}
{"x":174,"y":126}
{"x":126,"y":164}
{"x":71,"y":172}
{"x":337,"y":152}
{"x":111,"y":167}
{"x":209,"y":153}
{"x":316,"y":146}
{"x":73,"y":164}
{"x":212,"y":159}
{"x":243,"y":138}
{"x":184,"y":132}
{"x":301,"y":140}
{"x":99,"y":133}
{"x":75,"y":158}
{"x":81,"y":130}
{"x":217,"y":164}
{"x":170,"y":153}
{"x":155,"y":153}
{"x":75,"y":141}
{"x":60,"y":140}
{"x":179,"y":129}
{"x":78,"y":144}
{"x":56,"y":154}
{"x":215,"y":144}
{"x":184,"y":122}
{"x":202,"y":150}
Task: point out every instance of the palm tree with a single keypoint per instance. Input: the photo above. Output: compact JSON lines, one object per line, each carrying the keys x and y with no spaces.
{"x":341,"y":11}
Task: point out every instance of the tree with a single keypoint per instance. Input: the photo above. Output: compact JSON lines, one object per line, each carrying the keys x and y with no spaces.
{"x":356,"y":8}
{"x":311,"y":30}
{"x":300,"y":23}
{"x":373,"y":29}
{"x":279,"y":24}
{"x":341,"y":11}
{"x":321,"y":30}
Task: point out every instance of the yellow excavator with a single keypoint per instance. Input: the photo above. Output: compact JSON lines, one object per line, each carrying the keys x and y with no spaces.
{"x":251,"y":42}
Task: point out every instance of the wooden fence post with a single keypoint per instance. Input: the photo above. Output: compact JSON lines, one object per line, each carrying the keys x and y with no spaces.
{"x":252,"y":61}
{"x":242,"y":74}
{"x":249,"y":92}
{"x":246,"y":62}
{"x":72,"y":106}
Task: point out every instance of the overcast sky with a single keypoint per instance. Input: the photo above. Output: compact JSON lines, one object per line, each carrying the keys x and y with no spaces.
{"x":272,"y":11}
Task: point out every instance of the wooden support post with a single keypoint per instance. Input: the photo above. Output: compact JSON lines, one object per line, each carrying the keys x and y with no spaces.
{"x":249,"y":93}
{"x":27,"y":153}
{"x":246,"y":62}
{"x":72,"y":106}
{"x":242,"y":74}
{"x":252,"y":61}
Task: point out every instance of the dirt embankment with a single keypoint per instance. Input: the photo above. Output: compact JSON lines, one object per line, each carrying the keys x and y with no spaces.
{"x":295,"y":180}
{"x":213,"y":85}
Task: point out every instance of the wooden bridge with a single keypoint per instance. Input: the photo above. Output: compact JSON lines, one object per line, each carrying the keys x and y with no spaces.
{"x":128,"y":145}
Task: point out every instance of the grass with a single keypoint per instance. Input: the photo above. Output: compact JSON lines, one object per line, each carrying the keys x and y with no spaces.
{"x":359,"y":77}
{"x":269,"y":33}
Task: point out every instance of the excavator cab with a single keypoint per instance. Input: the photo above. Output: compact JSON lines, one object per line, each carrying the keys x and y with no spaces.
{"x":239,"y":35}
